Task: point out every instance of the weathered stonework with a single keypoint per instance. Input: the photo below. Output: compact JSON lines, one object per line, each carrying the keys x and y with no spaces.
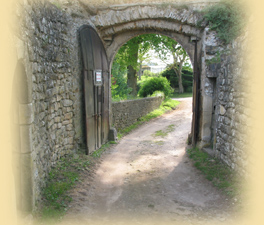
{"x":225,"y":87}
{"x":48,"y":45}
{"x":49,"y":115}
{"x":125,"y":113}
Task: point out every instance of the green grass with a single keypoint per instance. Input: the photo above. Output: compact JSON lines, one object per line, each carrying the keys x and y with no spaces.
{"x":183,"y":95}
{"x":61,"y":179}
{"x":97,"y":153}
{"x":218,"y":173}
{"x":165,"y":132}
{"x":167,"y":105}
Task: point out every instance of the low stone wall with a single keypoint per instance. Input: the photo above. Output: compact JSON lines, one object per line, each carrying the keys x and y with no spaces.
{"x":125,"y":113}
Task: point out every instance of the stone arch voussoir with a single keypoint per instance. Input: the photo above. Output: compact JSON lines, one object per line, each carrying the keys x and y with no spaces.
{"x":118,"y":25}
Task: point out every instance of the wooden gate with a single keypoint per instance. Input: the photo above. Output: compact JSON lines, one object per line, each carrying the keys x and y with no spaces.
{"x":96,"y":88}
{"x":196,"y":97}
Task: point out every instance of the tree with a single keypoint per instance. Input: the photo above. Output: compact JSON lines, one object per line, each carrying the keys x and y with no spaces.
{"x":165,"y":46}
{"x":132,"y":53}
{"x":119,"y":88}
{"x":187,"y":77}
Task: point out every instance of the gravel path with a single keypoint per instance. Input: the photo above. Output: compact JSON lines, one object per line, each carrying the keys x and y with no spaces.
{"x":148,"y":179}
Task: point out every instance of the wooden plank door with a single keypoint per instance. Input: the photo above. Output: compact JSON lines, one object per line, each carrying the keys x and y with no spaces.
{"x":96,"y":88}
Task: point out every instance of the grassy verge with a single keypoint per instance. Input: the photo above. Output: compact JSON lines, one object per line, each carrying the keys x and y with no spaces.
{"x":183,"y":95}
{"x":219,"y":174}
{"x":167,"y":105}
{"x":61,"y":179}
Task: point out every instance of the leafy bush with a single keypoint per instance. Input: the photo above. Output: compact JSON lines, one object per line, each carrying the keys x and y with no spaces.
{"x":158,"y":94}
{"x":227,"y":18}
{"x":155,"y":84}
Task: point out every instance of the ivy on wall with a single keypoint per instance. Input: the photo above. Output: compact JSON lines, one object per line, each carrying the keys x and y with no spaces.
{"x":227,"y":18}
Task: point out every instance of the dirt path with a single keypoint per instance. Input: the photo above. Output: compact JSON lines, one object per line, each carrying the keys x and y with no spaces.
{"x":149,"y":179}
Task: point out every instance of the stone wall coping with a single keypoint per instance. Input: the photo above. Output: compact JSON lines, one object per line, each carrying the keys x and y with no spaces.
{"x":139,"y":99}
{"x":158,"y":3}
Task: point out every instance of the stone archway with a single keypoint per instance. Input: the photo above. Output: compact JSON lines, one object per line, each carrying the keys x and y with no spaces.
{"x":52,"y":59}
{"x":117,"y":25}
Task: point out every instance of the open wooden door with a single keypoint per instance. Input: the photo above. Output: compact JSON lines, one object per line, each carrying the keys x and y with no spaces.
{"x":96,"y":88}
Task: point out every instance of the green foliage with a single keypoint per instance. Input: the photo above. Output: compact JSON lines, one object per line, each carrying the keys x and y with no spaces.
{"x":119,"y":88}
{"x":60,"y":180}
{"x":158,"y":94}
{"x":215,"y":171}
{"x":227,"y":18}
{"x":215,"y":59}
{"x":133,"y":53}
{"x":155,"y":84}
{"x":97,"y":153}
{"x":129,"y":55}
{"x":187,"y":78}
{"x":137,"y":46}
{"x":148,"y":73}
{"x":167,"y":105}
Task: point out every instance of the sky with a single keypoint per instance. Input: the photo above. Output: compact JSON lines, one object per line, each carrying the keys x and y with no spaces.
{"x":155,"y":59}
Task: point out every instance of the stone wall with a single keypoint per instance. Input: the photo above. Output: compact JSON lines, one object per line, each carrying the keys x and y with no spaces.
{"x":226,"y":84}
{"x":48,"y":47}
{"x":125,"y":113}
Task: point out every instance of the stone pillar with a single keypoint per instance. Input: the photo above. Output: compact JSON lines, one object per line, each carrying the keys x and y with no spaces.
{"x":26,"y":118}
{"x":22,"y":135}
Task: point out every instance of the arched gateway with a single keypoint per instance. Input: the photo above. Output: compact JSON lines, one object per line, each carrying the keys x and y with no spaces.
{"x":119,"y":24}
{"x":66,"y":50}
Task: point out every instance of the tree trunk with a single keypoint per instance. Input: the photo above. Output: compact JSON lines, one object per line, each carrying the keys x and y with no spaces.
{"x":132,"y":80}
{"x":132,"y":74}
{"x":139,"y":72}
{"x":179,"y":75}
{"x":181,"y":90}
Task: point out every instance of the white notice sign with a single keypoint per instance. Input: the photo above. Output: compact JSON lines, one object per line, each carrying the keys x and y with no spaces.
{"x":98,"y":79}
{"x":98,"y":75}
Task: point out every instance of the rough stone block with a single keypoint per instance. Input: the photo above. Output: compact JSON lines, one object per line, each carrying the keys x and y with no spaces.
{"x":68,"y":115}
{"x":69,"y":127}
{"x":222,"y":110}
{"x":112,"y":136}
